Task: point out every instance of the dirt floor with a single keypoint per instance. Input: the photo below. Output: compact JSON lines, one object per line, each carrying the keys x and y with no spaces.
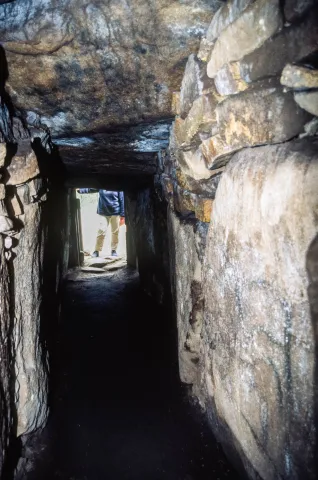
{"x":119,"y":412}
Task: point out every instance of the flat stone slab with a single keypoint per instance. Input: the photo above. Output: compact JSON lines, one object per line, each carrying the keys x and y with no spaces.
{"x":115,"y":266}
{"x":92,"y":270}
{"x":100,"y":262}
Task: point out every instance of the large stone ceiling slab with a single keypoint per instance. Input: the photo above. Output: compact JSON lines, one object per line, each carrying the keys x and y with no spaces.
{"x":85,"y":66}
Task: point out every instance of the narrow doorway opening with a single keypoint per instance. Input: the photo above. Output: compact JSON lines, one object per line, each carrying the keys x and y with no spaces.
{"x":97,"y":229}
{"x":91,"y":222}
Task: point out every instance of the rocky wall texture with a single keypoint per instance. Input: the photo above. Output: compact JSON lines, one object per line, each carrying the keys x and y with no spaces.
{"x":148,"y":248}
{"x":258,"y":343}
{"x":240,"y":178}
{"x":83,"y":66}
{"x":32,"y":237}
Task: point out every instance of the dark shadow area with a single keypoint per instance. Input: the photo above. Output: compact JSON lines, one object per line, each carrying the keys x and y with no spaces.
{"x":14,"y":442}
{"x":12,"y":125}
{"x":4,"y":75}
{"x":119,"y":411}
{"x":312,"y":272}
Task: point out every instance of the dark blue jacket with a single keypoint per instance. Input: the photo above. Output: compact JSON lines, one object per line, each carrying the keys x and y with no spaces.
{"x":109,"y":203}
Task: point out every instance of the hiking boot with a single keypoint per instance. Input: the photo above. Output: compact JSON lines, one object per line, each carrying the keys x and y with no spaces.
{"x":114,"y":253}
{"x":95,"y":254}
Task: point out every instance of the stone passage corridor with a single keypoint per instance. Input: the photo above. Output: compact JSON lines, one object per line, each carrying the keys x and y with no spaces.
{"x":205,"y":114}
{"x":120,"y":413}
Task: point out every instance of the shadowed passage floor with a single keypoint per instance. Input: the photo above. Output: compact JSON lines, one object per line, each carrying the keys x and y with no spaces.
{"x":119,"y":412}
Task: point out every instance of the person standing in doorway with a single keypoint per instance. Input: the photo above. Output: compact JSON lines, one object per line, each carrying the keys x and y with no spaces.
{"x":111,"y":210}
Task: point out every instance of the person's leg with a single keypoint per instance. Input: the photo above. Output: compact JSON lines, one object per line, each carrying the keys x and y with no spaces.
{"x":101,"y":233}
{"x":114,"y":221}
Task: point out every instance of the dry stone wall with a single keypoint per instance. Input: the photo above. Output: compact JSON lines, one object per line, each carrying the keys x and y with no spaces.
{"x":241,"y":181}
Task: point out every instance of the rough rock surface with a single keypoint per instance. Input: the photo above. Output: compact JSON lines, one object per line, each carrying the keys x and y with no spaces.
{"x":84,"y":66}
{"x":23,"y":166}
{"x":31,"y":386}
{"x":257,"y":323}
{"x":293,"y":44}
{"x":256,"y":117}
{"x":31,"y":265}
{"x":195,"y":82}
{"x":228,"y":80}
{"x":201,"y":119}
{"x":187,"y":250}
{"x":147,"y":229}
{"x":226,"y":15}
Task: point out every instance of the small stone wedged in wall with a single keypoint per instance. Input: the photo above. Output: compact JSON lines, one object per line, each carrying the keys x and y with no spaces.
{"x":206,"y":187}
{"x":259,"y":116}
{"x":257,"y":354}
{"x":195,"y":82}
{"x":228,"y":80}
{"x":258,"y":22}
{"x":296,"y":76}
{"x":292,"y":45}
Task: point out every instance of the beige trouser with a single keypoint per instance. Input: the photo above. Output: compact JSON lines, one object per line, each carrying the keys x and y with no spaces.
{"x":102,"y":229}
